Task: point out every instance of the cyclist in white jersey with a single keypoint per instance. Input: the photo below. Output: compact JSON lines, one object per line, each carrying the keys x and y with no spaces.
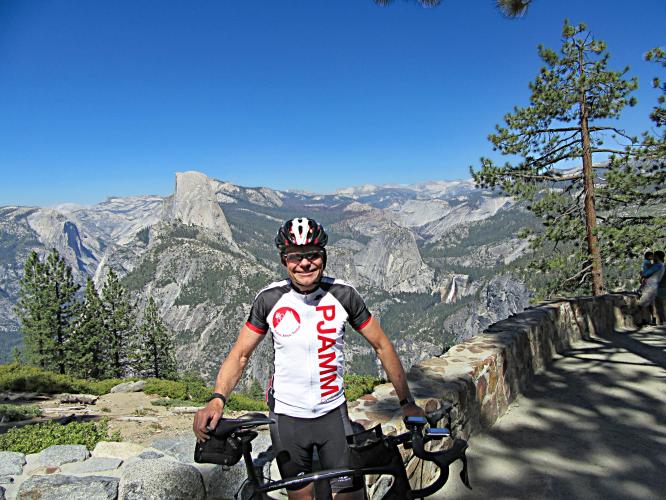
{"x":306,"y":315}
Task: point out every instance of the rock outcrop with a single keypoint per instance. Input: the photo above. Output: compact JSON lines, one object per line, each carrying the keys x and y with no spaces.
{"x":195,"y":203}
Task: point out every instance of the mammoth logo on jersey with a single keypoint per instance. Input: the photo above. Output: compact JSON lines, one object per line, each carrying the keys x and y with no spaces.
{"x":300,"y":229}
{"x":286,"y":322}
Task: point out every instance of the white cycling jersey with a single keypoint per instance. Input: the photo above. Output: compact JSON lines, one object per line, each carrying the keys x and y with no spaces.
{"x":308,"y":340}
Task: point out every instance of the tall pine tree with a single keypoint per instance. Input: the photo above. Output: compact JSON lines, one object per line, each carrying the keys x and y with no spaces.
{"x":119,"y":324}
{"x":573,"y":97}
{"x":87,"y":345}
{"x":61,"y":304}
{"x":154,"y":353}
{"x":46,"y":308}
{"x":31,"y":311}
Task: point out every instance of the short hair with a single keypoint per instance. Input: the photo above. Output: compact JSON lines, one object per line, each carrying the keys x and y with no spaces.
{"x":648,"y":254}
{"x":660,"y":255}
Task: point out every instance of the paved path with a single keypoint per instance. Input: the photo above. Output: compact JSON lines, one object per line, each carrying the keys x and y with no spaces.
{"x":592,"y":426}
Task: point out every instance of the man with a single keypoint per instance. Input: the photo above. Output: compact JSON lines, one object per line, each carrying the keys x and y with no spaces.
{"x":653,"y":277}
{"x":647,"y":263}
{"x":653,"y":290}
{"x":306,"y":315}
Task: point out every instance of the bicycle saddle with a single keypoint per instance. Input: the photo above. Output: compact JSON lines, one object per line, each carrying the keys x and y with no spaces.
{"x":228,"y":426}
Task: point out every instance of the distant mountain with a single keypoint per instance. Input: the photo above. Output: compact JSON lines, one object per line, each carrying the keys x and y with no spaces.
{"x":433,"y":259}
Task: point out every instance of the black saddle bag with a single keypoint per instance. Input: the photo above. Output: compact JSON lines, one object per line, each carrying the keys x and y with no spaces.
{"x":225,"y":451}
{"x":368,"y":449}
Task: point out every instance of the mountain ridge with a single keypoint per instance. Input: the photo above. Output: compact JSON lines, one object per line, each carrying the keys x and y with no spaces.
{"x":377,"y":242}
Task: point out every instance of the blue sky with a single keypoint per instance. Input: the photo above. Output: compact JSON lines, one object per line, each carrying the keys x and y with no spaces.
{"x":112,"y":98}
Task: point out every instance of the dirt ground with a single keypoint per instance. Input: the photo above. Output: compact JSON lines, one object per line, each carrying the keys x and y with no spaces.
{"x":152,"y":421}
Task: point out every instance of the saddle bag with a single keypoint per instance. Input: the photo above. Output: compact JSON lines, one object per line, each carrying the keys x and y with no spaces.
{"x":221,"y":451}
{"x":368,"y":449}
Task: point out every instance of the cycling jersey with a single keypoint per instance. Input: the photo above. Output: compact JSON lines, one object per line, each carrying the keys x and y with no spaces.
{"x":308,"y":339}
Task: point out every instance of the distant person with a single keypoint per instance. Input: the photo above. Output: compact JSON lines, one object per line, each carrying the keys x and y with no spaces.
{"x":660,"y":299}
{"x":647,"y":264}
{"x":653,"y":277}
{"x":306,"y":316}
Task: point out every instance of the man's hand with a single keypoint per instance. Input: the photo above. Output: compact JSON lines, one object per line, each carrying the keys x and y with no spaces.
{"x":207,"y":418}
{"x":412,"y":410}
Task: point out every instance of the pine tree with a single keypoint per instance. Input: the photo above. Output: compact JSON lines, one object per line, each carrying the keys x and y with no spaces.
{"x":633,"y":197}
{"x":572,"y":97}
{"x":46,"y":306}
{"x":118,"y":324}
{"x":31,"y":311}
{"x":87,"y":344}
{"x":154,"y":352}
{"x":61,"y":304}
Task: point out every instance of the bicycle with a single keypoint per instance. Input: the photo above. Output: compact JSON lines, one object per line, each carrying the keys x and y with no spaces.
{"x":372,"y":452}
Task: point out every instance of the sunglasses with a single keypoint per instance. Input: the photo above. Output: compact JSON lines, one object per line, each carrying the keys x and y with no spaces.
{"x":297,"y":257}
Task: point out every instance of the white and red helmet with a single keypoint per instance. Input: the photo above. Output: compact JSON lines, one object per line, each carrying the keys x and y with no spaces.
{"x":300,"y":231}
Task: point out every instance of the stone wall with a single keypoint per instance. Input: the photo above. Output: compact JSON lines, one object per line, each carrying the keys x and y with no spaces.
{"x":481,"y":376}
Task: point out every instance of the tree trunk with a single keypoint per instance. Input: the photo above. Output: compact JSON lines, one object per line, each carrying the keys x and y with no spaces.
{"x":590,"y":210}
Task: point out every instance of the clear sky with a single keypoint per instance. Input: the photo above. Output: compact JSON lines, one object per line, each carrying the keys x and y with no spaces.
{"x":112,"y":98}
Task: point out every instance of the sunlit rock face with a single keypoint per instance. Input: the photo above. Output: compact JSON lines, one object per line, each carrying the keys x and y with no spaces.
{"x":195,"y":203}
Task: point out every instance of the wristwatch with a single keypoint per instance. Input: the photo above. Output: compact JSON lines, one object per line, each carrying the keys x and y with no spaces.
{"x":409,"y":400}
{"x":219,"y":396}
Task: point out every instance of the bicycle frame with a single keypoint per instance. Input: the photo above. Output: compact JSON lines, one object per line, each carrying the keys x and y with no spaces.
{"x":366,"y":458}
{"x":399,"y":490}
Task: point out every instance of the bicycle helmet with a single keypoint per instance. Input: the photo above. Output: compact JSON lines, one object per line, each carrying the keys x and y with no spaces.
{"x":300,"y":231}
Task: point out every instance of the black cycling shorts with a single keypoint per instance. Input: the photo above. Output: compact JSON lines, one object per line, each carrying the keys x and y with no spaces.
{"x":295,"y":439}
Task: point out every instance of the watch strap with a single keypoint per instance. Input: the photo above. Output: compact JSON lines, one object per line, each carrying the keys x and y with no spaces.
{"x":409,"y":400}
{"x":218,"y":395}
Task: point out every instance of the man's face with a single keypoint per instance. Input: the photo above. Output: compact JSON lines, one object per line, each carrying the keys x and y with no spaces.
{"x":305,"y":266}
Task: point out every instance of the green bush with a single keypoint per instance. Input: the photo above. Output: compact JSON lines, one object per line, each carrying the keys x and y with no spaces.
{"x":358,"y":385}
{"x":25,"y":378}
{"x":14,"y":413}
{"x":191,"y":389}
{"x":241,"y":402}
{"x":35,"y":438}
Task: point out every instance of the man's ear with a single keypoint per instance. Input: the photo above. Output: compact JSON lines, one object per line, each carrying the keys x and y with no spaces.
{"x":283,"y":260}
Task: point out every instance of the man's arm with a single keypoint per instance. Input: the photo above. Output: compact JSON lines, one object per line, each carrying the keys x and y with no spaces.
{"x":374,"y":334}
{"x":652,"y":269}
{"x":227,"y":378}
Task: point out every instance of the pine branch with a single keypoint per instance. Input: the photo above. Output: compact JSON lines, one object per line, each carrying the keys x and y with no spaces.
{"x":582,"y":274}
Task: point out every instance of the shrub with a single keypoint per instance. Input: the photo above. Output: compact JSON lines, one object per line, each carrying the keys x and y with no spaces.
{"x":14,"y":413}
{"x":25,"y":378}
{"x":35,"y":438}
{"x":358,"y":385}
{"x":241,"y":402}
{"x":190,"y":389}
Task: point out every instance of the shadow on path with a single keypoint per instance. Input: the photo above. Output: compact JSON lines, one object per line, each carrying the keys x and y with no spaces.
{"x":592,"y":426}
